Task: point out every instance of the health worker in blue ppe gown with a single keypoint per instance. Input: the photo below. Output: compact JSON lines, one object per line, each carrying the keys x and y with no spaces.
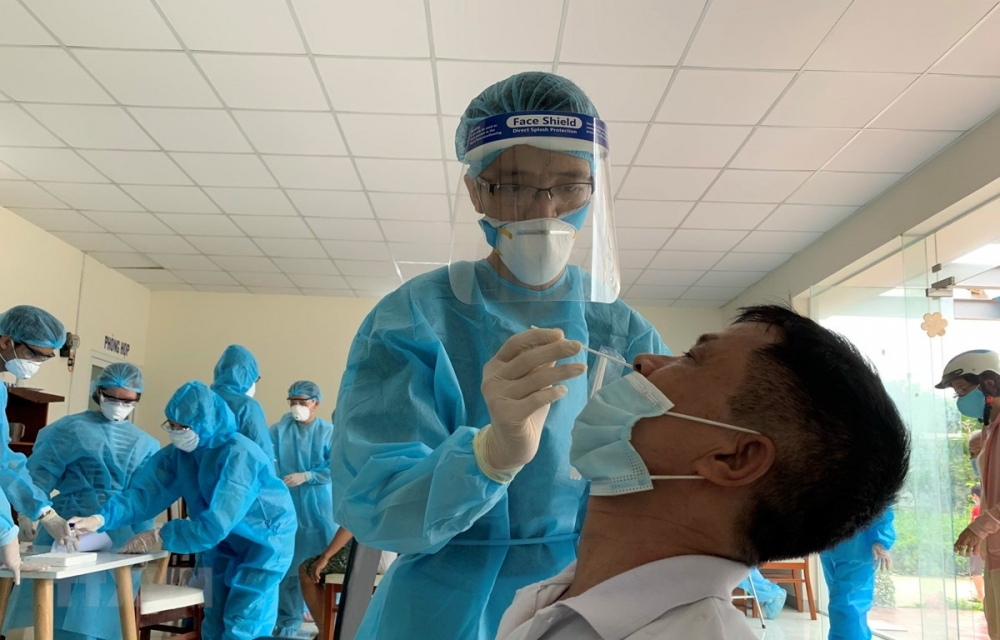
{"x":88,"y":458}
{"x":29,"y":337}
{"x":236,"y":376}
{"x":454,"y":414}
{"x":240,"y":516}
{"x":850,"y":569}
{"x":302,"y":441}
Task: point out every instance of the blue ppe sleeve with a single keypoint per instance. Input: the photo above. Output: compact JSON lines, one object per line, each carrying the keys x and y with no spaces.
{"x":146,"y":525}
{"x":17,"y":483}
{"x":252,"y":423}
{"x":320,"y":474}
{"x":883,"y":531}
{"x":46,"y":466}
{"x":155,"y":486}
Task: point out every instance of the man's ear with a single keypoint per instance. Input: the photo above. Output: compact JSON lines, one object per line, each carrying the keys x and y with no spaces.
{"x":742,"y":461}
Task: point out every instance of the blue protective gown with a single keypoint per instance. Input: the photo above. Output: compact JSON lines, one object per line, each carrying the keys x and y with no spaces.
{"x":235,"y":373}
{"x":8,"y":530}
{"x":850,"y":576}
{"x":241,"y":517}
{"x":304,"y":448}
{"x":15,"y":480}
{"x":405,"y":477}
{"x":88,"y":459}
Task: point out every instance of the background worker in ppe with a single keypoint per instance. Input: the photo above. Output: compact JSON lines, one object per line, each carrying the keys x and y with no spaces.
{"x":849,"y":569}
{"x":454,"y":416}
{"x":29,"y":336}
{"x":236,"y":376}
{"x":88,"y":458}
{"x":240,"y":516}
{"x":302,"y":441}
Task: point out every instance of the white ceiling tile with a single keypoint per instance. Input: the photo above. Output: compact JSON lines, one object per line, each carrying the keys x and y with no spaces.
{"x":391,"y":28}
{"x":184,"y":261}
{"x":410,"y":206}
{"x":283,"y":248}
{"x":252,"y":202}
{"x":736,"y":185}
{"x":115,"y":24}
{"x":700,"y":240}
{"x":225,"y":247}
{"x":931,"y":104}
{"x":618,"y":174}
{"x":168,"y":286}
{"x":978,"y":54}
{"x":781,"y":148}
{"x":123,"y":260}
{"x":374,"y":285}
{"x":686,"y":260}
{"x":47,"y":75}
{"x":806,"y":217}
{"x":297,"y":133}
{"x":722,"y":294}
{"x":404,"y":231}
{"x":896,"y":35}
{"x":17,"y":26}
{"x":777,"y":241}
{"x":837,"y":99}
{"x":642,"y":238}
{"x":352,"y":250}
{"x":129,"y":222}
{"x":635,"y":258}
{"x":49,"y":164}
{"x":653,"y":292}
{"x":660,"y":277}
{"x":461,"y":81}
{"x":625,"y":138}
{"x":168,"y":199}
{"x":274,"y":227}
{"x":420,"y":252}
{"x":18,"y":129}
{"x":403,"y":176}
{"x":92,"y":126}
{"x":149,"y":78}
{"x":275,"y":291}
{"x":345,"y":229}
{"x":220,"y":288}
{"x":256,"y":279}
{"x":329,"y":293}
{"x":767,"y":34}
{"x":58,"y":219}
{"x":152,"y":277}
{"x":478,"y":31}
{"x":242,"y":263}
{"x":385,"y":136}
{"x":264,"y":82}
{"x":92,"y":197}
{"x":411,"y":270}
{"x":256,"y":26}
{"x":154,"y":243}
{"x":19,"y":193}
{"x":621,"y":93}
{"x":712,"y":96}
{"x":891,"y":150}
{"x":306,"y":266}
{"x":650,"y":183}
{"x":370,"y":268}
{"x":192,"y":129}
{"x":827,"y":187}
{"x":92,"y":241}
{"x":629,"y":276}
{"x":6,"y":173}
{"x":689,"y":145}
{"x":379,"y":86}
{"x":645,"y":32}
{"x":650,"y":213}
{"x":225,"y":170}
{"x":727,"y":215}
{"x":137,"y":167}
{"x":752,"y":261}
{"x":301,"y":172}
{"x":647,"y":302}
{"x":331,"y":204}
{"x":316,"y":281}
{"x":205,"y":277}
{"x":197,"y":224}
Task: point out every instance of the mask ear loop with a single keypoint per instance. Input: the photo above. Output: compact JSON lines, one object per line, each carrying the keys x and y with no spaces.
{"x":703,"y":421}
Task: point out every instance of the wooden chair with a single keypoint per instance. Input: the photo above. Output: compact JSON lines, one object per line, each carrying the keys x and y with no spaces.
{"x":181,"y":565}
{"x":796,"y":573}
{"x":158,"y":604}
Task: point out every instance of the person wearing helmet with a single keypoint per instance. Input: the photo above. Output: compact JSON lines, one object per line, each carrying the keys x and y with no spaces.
{"x":975,"y":378}
{"x":88,"y":458}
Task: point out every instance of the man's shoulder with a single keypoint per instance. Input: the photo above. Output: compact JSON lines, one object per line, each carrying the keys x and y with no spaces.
{"x":706,"y":619}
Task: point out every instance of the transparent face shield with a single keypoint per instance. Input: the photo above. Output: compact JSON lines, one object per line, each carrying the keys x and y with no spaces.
{"x":533,"y":216}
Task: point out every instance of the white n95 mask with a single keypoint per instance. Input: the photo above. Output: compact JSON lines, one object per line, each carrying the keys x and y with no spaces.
{"x":115,"y":411}
{"x":536,"y":251}
{"x":601,"y":449}
{"x":22,"y":369}
{"x":300,"y":413}
{"x":252,"y":390}
{"x":185,"y":440}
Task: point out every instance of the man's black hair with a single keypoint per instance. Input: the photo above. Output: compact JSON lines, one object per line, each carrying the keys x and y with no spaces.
{"x":842,"y":449}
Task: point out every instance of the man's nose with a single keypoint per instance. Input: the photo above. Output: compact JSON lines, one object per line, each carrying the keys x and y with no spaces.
{"x":647,"y":363}
{"x":543,"y":206}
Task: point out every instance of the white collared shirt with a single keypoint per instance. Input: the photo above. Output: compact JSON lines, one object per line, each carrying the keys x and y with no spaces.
{"x":683,"y":597}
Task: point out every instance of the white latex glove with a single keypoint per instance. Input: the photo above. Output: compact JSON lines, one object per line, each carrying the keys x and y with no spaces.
{"x":295,"y":479}
{"x":26,"y":528}
{"x":144,"y":542}
{"x":12,"y":559}
{"x":518,"y":389}
{"x":57,"y":526}
{"x":86,"y":524}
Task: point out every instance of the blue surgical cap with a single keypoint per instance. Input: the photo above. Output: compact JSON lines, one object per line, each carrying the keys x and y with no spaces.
{"x":34,"y":326}
{"x":123,"y":375}
{"x":305,"y":389}
{"x":529,"y":91}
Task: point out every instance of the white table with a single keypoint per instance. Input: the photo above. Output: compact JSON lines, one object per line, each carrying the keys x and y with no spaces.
{"x":120,"y":564}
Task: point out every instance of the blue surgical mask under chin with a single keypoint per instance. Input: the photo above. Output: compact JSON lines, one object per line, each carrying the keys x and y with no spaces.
{"x":601,"y":449}
{"x":972,"y":404}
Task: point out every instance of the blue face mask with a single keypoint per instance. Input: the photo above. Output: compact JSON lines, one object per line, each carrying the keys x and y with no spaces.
{"x":972,"y":404}
{"x":601,"y":449}
{"x":975,"y":468}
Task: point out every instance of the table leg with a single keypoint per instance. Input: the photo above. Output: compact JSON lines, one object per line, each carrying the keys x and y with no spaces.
{"x":6,"y":585}
{"x":44,"y":609}
{"x":126,"y":602}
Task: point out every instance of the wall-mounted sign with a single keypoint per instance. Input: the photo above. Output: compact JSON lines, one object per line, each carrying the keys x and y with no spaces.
{"x":116,"y":346}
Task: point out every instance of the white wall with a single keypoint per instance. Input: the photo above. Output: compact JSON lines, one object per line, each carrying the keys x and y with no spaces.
{"x":680,"y":327}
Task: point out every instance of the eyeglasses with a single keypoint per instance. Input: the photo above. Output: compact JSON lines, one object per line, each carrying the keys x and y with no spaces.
{"x":169,"y":426}
{"x":123,"y":402}
{"x":299,"y":402}
{"x":35,"y":355}
{"x":571,"y":195}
